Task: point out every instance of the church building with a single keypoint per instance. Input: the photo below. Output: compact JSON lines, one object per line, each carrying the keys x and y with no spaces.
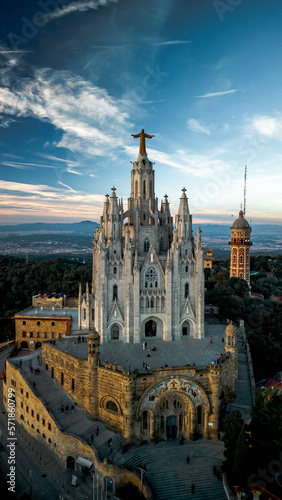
{"x":148,"y":276}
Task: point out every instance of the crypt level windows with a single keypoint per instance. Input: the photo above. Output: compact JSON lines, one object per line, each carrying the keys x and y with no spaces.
{"x":151,"y":278}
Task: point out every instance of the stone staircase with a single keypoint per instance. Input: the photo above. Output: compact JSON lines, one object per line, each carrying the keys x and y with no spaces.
{"x":53,"y":396}
{"x":169,"y":475}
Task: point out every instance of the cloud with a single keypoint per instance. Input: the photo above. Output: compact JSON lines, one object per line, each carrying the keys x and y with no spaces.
{"x":17,"y":200}
{"x":65,"y":185}
{"x":198,"y":165}
{"x":195,"y":126}
{"x":217,"y":94}
{"x":24,"y":165}
{"x":77,"y":6}
{"x":268,"y":126}
{"x":91,"y":120}
{"x":174,"y":42}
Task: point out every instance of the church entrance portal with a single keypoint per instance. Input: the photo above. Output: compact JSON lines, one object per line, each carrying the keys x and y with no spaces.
{"x":150,"y":328}
{"x":171,"y":429}
{"x":186,"y":328}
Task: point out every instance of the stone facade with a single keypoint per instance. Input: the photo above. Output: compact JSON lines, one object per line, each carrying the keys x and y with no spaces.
{"x":240,"y":248}
{"x":153,"y":406}
{"x":32,"y":329}
{"x":148,"y":277}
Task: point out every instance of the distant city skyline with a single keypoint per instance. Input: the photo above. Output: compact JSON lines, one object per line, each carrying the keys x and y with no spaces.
{"x":78,"y":78}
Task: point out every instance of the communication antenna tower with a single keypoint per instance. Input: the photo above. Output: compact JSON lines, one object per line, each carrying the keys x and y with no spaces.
{"x":245,"y":189}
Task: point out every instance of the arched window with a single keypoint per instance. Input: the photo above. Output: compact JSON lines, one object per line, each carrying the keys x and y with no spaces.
{"x":112,"y":406}
{"x":62,"y":378}
{"x":84,"y":313}
{"x":115,"y":270}
{"x":144,"y":216}
{"x":147,"y":303}
{"x":136,"y":189}
{"x":241,"y":275}
{"x":241,"y":259}
{"x":234,"y":259}
{"x":152,"y":303}
{"x":146,"y":245}
{"x":144,"y":189}
{"x":156,"y":284}
{"x":186,"y":269}
{"x":161,"y":245}
{"x":186,"y":289}
{"x":115,"y":292}
{"x":72,"y":384}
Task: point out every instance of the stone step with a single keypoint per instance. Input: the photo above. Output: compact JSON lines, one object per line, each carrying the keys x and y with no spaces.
{"x":168,"y":474}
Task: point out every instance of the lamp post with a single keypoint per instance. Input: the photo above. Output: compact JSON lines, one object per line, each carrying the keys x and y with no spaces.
{"x":30,"y":483}
{"x":143,"y":471}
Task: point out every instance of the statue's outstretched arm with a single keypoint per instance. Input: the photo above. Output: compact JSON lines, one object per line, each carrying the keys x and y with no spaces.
{"x":136,"y":136}
{"x":149,"y":136}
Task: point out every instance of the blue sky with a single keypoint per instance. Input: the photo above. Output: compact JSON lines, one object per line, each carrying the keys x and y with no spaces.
{"x":78,"y":78}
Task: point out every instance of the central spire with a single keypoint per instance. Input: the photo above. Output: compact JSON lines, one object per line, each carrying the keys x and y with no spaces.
{"x":142,"y":135}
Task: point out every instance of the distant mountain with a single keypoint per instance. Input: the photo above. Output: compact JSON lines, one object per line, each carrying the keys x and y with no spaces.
{"x":84,"y":227}
{"x":87,"y":227}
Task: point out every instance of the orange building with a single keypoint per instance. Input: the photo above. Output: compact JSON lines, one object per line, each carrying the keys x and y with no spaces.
{"x":240,"y":248}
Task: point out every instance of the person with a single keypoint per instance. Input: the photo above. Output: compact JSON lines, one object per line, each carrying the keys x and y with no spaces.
{"x":193,"y":488}
{"x":148,"y":355}
{"x":67,"y":408}
{"x":210,"y":339}
{"x":154,"y":348}
{"x":222,"y":339}
{"x":62,"y":409}
{"x":188,"y":461}
{"x":145,"y":345}
{"x":92,"y":438}
{"x":97,"y":430}
{"x":181,"y":439}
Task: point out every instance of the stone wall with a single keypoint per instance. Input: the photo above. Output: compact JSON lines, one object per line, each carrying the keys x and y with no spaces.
{"x":33,"y":416}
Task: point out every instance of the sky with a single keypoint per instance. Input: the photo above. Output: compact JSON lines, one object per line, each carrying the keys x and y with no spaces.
{"x":77,"y":78}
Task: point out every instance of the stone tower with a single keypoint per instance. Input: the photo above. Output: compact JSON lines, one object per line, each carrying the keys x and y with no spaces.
{"x":148,"y":277}
{"x":240,"y":248}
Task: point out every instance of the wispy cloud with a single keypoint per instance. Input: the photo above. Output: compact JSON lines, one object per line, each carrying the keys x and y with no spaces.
{"x":50,"y":203}
{"x":24,"y":165}
{"x":174,"y":42}
{"x":65,"y":185}
{"x":77,"y":6}
{"x":90,"y":119}
{"x":217,"y":94}
{"x":198,"y":165}
{"x":195,"y":126}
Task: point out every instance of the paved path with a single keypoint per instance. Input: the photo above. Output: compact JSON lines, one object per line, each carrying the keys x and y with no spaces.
{"x":244,"y":400}
{"x":168,"y":474}
{"x":53,"y":397}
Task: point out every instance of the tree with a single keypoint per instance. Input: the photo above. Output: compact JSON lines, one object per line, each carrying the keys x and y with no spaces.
{"x":240,"y":458}
{"x":233,"y":426}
